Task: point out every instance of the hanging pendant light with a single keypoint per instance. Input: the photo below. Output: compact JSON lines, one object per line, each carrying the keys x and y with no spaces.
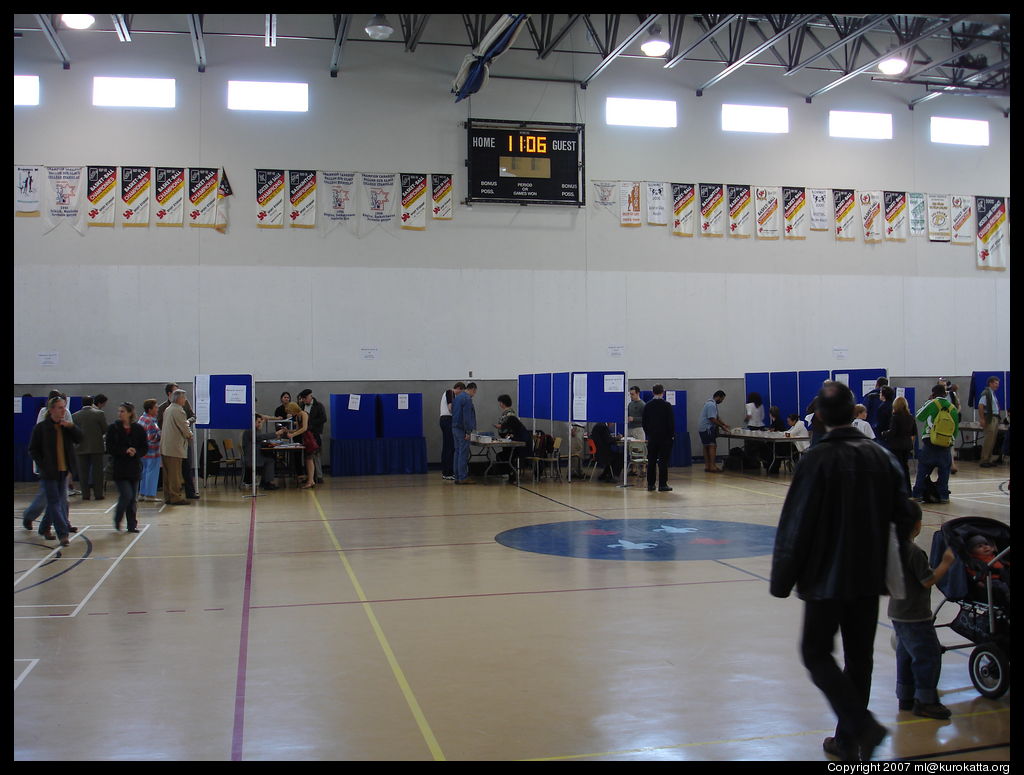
{"x":655,"y":45}
{"x":379,"y":28}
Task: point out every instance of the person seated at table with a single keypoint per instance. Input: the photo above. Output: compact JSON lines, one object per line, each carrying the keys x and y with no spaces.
{"x":605,"y":455}
{"x":505,"y":405}
{"x":792,"y":450}
{"x":512,"y":428}
{"x":775,"y":421}
{"x":266,"y":457}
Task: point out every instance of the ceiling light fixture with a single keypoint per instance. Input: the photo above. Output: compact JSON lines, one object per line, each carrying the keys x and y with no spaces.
{"x":379,"y":28}
{"x":893,"y":66}
{"x":78,"y":21}
{"x":655,"y":45}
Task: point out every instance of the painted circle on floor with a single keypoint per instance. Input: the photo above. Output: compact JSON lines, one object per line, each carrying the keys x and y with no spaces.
{"x":643,"y":539}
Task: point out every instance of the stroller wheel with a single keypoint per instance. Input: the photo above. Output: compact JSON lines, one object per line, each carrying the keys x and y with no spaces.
{"x":990,"y":670}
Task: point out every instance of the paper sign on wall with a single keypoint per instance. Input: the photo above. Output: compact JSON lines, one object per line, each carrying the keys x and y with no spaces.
{"x":670,"y":396}
{"x":844,"y":378}
{"x":234,"y":394}
{"x":49,"y":359}
{"x":579,"y":409}
{"x":403,"y":400}
{"x":202,"y":407}
{"x":17,"y":404}
{"x":369,"y":353}
{"x":614,"y":383}
{"x":901,"y":392}
{"x":353,"y":402}
{"x":866,"y":386}
{"x":839,"y":352}
{"x":616,"y":350}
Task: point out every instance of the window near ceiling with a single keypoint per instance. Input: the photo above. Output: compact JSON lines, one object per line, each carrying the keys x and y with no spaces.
{"x":26,"y":90}
{"x":959,"y":131}
{"x":620,"y":111}
{"x":133,"y":92}
{"x":864,"y":126}
{"x":755,"y":118}
{"x":267,"y":95}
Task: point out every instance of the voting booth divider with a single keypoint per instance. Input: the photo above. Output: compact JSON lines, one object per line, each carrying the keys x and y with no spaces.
{"x":681,"y":455}
{"x":377,"y":433}
{"x":979,"y":381}
{"x":26,"y":410}
{"x":793,"y":391}
{"x":223,"y":402}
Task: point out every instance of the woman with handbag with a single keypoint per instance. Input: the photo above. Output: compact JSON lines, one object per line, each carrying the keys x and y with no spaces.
{"x":900,"y":436}
{"x":304,"y":436}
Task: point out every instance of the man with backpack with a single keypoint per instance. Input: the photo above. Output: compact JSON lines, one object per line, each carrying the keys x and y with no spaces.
{"x":941,"y":422}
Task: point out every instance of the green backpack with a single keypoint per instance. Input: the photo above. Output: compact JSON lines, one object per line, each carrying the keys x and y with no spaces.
{"x":943,"y":426}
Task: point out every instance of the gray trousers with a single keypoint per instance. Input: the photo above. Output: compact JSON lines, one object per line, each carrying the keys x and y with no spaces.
{"x":90,"y":474}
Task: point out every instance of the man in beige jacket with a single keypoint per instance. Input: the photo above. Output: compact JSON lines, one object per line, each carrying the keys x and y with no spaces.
{"x":175,"y":434}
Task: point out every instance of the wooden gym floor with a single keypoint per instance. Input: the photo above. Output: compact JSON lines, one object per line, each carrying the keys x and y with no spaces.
{"x":378,"y":618}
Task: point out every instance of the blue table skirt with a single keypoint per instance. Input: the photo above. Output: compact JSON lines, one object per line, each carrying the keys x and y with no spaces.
{"x":360,"y":457}
{"x":680,"y":451}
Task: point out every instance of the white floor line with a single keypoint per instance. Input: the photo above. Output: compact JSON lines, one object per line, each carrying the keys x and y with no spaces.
{"x":112,"y":507}
{"x":984,"y":503}
{"x":25,"y":672}
{"x":109,"y":571}
{"x":46,"y":557}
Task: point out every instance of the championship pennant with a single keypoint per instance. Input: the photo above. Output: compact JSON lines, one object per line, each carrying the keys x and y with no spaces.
{"x":302,"y":198}
{"x":918,"y":214}
{"x":414,"y":201}
{"x":683,"y":197}
{"x":739,"y":211}
{"x":101,"y":194}
{"x":223,"y":192}
{"x":170,"y":195}
{"x":606,"y":196}
{"x":269,"y":199}
{"x":629,"y":203}
{"x":712,"y":217}
{"x":441,"y":191}
{"x":27,"y":185}
{"x":657,"y":211}
{"x":377,"y":198}
{"x":339,"y":200}
{"x":845,"y":206}
{"x":821,"y":209}
{"x":962,"y":212}
{"x":794,"y":211}
{"x":202,"y":196}
{"x":871,"y":215}
{"x":766,"y":202}
{"x":939,"y":224}
{"x":136,"y":190}
{"x":993,"y":244}
{"x":895,"y":203}
{"x":64,"y":189}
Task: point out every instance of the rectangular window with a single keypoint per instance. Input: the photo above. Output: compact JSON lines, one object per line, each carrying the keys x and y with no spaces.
{"x":619,"y":111}
{"x":26,"y":90}
{"x":133,"y":92}
{"x":864,"y":126}
{"x":262,"y":95}
{"x":959,"y":131}
{"x":755,"y":118}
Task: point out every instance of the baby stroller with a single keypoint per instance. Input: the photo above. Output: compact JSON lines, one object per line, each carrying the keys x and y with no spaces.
{"x":984,"y":617}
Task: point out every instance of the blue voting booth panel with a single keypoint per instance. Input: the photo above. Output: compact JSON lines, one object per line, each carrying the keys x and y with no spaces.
{"x":525,"y":397}
{"x":758,"y":382}
{"x":74,"y":403}
{"x":808,"y":385}
{"x":785,"y":393}
{"x":602,"y":405}
{"x":857,"y":377}
{"x":560,"y":398}
{"x":229,"y":416}
{"x":358,"y":423}
{"x":24,"y":422}
{"x":398,"y":423}
{"x":542,"y":396}
{"x":363,"y":457}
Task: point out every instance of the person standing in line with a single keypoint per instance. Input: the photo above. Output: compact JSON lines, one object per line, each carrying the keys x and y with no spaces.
{"x":941,"y":424}
{"x":953,"y":394}
{"x":187,"y":474}
{"x":900,"y":437}
{"x":175,"y":434}
{"x":93,"y":424}
{"x":708,"y":431}
{"x":884,"y":415}
{"x":832,"y":542}
{"x":317,"y":420}
{"x":447,"y":442}
{"x":988,"y":415}
{"x":127,"y":444}
{"x":860,"y":422}
{"x":52,"y":447}
{"x":660,"y":426}
{"x":463,"y":424}
{"x":635,"y":415}
{"x":151,"y":460}
{"x":872,"y":400}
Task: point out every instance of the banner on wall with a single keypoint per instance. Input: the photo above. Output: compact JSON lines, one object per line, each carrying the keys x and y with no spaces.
{"x":993,"y":240}
{"x":377,"y":198}
{"x":712,"y":217}
{"x":845,"y":205}
{"x":683,"y":197}
{"x":871,"y":217}
{"x":918,"y":216}
{"x":629,"y":203}
{"x":101,"y":194}
{"x":738,"y":197}
{"x":939,"y":221}
{"x":441,"y":191}
{"x":302,"y":199}
{"x":657,"y":210}
{"x":414,"y":201}
{"x":269,"y":199}
{"x":895,"y":204}
{"x":224,"y":191}
{"x":339,"y":200}
{"x":962,"y":219}
{"x":794,"y":204}
{"x":202,"y":196}
{"x":170,"y":195}
{"x":821,"y":209}
{"x":766,"y":201}
{"x":28,"y":182}
{"x":136,"y":194}
{"x":65,"y":187}
{"x":606,"y":197}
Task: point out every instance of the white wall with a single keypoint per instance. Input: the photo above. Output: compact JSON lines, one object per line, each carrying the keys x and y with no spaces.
{"x":500,"y":290}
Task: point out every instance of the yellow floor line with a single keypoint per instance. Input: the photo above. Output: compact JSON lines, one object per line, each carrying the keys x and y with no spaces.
{"x":747,"y":489}
{"x":410,"y":698}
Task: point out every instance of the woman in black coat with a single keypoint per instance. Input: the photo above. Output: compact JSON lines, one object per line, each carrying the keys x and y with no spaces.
{"x":899,"y":438}
{"x":127,"y":444}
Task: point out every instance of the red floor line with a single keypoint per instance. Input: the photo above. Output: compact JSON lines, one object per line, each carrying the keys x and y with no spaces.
{"x":381,"y":548}
{"x":243,"y":645}
{"x":413,"y":516}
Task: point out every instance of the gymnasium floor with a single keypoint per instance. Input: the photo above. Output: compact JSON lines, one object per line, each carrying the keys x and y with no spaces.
{"x":378,"y":618}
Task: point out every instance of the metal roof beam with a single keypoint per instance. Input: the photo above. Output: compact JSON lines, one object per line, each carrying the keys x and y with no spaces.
{"x":50,"y":32}
{"x":636,"y":33}
{"x":869,"y":24}
{"x":270,"y":33}
{"x":195,"y":29}
{"x":342,"y":21}
{"x":122,"y":22}
{"x":558,"y":36}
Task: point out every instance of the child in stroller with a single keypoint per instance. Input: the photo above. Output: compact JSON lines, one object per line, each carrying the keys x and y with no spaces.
{"x":983,"y":563}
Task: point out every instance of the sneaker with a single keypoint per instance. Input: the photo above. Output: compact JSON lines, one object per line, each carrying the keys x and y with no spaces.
{"x":74,"y":492}
{"x":907,"y":704}
{"x":448,"y":477}
{"x":932,"y":710}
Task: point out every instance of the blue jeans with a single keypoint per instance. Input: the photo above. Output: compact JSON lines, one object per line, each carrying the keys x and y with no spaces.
{"x":56,"y":507}
{"x":36,"y":507}
{"x":930,"y":458}
{"x":127,"y":505}
{"x":918,"y":662}
{"x":461,"y":454}
{"x":150,"y":476}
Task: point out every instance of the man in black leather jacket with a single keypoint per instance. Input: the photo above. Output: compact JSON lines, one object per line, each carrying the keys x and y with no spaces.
{"x":831,"y":543}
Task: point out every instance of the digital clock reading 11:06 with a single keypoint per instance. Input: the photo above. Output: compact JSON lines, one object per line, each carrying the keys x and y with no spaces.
{"x":525,"y":163}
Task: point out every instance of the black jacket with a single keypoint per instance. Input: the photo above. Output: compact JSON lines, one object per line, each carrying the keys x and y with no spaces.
{"x":659,"y":419}
{"x":900,"y":436}
{"x":833,"y":533}
{"x":43,"y":447}
{"x":119,"y":440}
{"x":317,"y":418}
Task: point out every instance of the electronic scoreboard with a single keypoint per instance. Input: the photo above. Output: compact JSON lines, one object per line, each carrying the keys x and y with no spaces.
{"x":525,"y":162}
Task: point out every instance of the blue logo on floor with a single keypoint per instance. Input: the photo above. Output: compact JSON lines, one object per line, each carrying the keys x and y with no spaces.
{"x":643,"y":539}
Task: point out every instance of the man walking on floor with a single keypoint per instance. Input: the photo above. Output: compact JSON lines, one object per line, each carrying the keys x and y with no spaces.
{"x":659,"y":425}
{"x":463,"y":424}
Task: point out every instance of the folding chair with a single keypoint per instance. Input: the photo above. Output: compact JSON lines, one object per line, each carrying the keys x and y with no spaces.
{"x":551,"y":460}
{"x":637,"y":456}
{"x":231,"y":465}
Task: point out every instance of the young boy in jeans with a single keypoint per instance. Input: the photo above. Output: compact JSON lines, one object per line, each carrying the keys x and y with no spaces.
{"x":918,"y":654}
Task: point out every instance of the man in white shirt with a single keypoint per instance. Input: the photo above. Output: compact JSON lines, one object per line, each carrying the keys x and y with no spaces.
{"x":447,"y":441}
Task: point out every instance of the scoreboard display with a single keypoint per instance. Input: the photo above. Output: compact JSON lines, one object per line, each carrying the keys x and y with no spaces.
{"x":513,"y":162}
